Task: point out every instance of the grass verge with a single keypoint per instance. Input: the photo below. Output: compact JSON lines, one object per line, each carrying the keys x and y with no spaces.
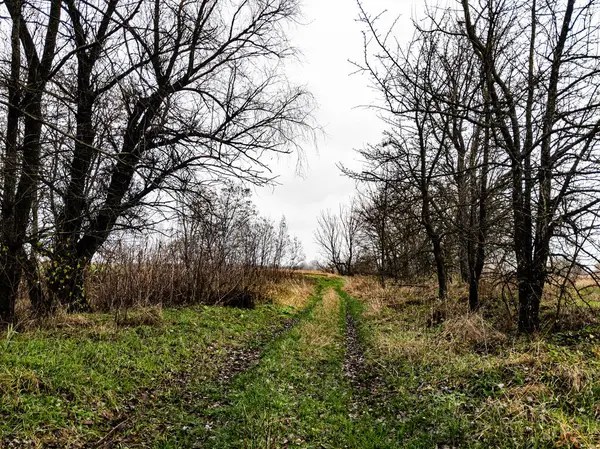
{"x":462,"y":383}
{"x":86,"y":377}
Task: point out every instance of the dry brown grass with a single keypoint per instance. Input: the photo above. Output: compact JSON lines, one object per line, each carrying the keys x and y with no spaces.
{"x":21,"y":381}
{"x":96,"y":324}
{"x":572,"y":377}
{"x":27,"y":320}
{"x":315,"y":337}
{"x":528,"y":393}
{"x":369,"y":290}
{"x":145,"y":316}
{"x":585,"y":281}
{"x":414,"y":347}
{"x":535,"y":359}
{"x":316,"y":273}
{"x":293,"y":292}
{"x":529,"y":388}
{"x":72,"y":320}
{"x":460,"y":336}
{"x":575,"y":317}
{"x":147,"y":278}
{"x":330,"y":304}
{"x":418,"y":303}
{"x":321,"y":331}
{"x":472,"y":331}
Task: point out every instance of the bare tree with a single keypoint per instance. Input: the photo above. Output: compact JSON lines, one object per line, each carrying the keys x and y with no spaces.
{"x":34,"y":36}
{"x":328,"y":237}
{"x":146,"y":99}
{"x":391,"y":232}
{"x":541,"y":74}
{"x":439,"y":151}
{"x":498,"y":100}
{"x":411,"y":157}
{"x":339,"y":237}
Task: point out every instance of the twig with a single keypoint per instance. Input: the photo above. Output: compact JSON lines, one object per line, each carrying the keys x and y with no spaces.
{"x":102,"y":440}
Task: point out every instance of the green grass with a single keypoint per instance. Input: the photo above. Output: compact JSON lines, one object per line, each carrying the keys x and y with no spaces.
{"x":70,"y":384}
{"x":162,"y":385}
{"x":293,"y":397}
{"x":298,"y":396}
{"x":523,"y":392}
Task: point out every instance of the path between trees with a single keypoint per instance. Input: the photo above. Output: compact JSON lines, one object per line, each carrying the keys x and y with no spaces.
{"x":325,"y":375}
{"x":303,"y":384}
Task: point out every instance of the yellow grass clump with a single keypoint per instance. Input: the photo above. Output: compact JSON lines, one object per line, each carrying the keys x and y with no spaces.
{"x":472,"y":331}
{"x":320,"y":331}
{"x":293,"y":292}
{"x":414,"y":348}
{"x":20,"y":381}
{"x":144,"y":316}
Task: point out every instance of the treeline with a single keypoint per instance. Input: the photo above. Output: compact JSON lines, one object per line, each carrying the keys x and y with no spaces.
{"x":116,"y":113}
{"x":491,"y":160}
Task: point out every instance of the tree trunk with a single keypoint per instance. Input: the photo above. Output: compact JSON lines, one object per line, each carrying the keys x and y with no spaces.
{"x":530,"y":293}
{"x":39,"y":300}
{"x":66,"y":283}
{"x":10,"y":277}
{"x":10,"y":271}
{"x":440,"y":268}
{"x":474,"y":294}
{"x":462,"y":216}
{"x":18,"y":201}
{"x":436,"y":245}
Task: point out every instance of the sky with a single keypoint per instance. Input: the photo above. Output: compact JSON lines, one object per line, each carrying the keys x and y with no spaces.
{"x":329,"y":38}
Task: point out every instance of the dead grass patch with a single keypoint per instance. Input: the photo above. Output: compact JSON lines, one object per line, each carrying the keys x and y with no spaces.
{"x":535,"y":358}
{"x":28,"y":321}
{"x":472,"y":331}
{"x":414,"y":347}
{"x":573,"y":378}
{"x":569,"y":437}
{"x":292,"y":292}
{"x":316,"y":273}
{"x":392,"y":346}
{"x":321,"y":331}
{"x":146,"y":316}
{"x":576,"y":317}
{"x":21,"y":381}
{"x":529,"y":393}
{"x":421,"y":298}
{"x":369,"y":290}
{"x":315,"y":336}
{"x":331,"y":304}
{"x":66,"y":320}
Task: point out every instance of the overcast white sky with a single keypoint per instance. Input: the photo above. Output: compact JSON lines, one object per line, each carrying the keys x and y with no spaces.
{"x":330,"y":38}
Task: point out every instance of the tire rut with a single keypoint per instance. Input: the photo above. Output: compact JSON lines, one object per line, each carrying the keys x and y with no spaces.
{"x":368,"y":383}
{"x":354,"y":359}
{"x":236,"y":361}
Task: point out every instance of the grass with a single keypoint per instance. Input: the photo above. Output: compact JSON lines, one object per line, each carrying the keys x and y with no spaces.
{"x":73,"y":382}
{"x":463,"y":383}
{"x":214,"y":377}
{"x":297,"y":396}
{"x":278,"y":402}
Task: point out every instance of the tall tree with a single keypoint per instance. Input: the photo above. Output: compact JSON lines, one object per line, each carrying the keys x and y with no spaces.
{"x":145,"y":99}
{"x":432,"y":148}
{"x":34,"y":36}
{"x":541,"y":70}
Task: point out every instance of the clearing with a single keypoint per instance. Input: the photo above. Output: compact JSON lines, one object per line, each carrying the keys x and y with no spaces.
{"x":312,"y":370}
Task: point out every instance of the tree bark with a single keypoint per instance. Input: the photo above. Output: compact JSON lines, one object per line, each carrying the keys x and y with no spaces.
{"x":17,"y":207}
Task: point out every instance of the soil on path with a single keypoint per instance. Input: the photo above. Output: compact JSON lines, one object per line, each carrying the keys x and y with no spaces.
{"x":235,"y":361}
